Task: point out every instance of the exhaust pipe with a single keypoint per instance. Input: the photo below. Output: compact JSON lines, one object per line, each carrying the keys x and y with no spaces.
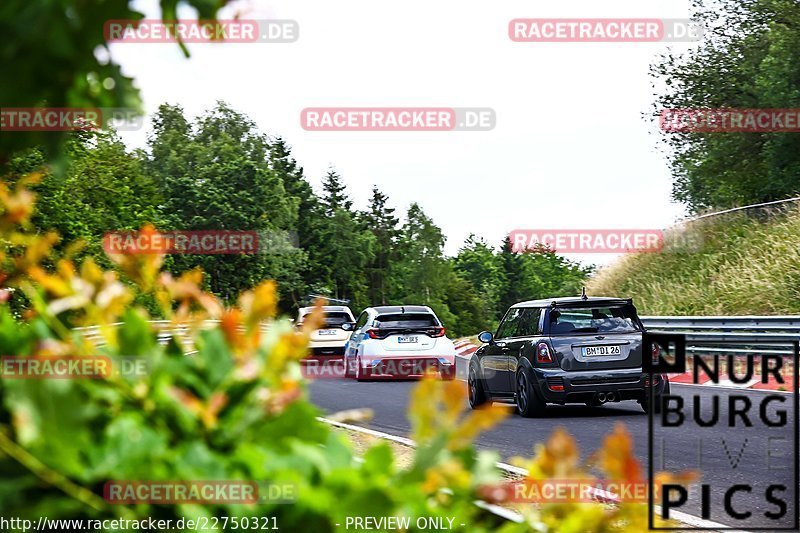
{"x":601,"y":397}
{"x":611,"y":397}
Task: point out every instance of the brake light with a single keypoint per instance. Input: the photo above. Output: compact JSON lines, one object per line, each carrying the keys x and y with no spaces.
{"x":656,"y":379}
{"x":655,"y":351}
{"x":437,"y":332}
{"x":543,"y":353}
{"x":374,"y":333}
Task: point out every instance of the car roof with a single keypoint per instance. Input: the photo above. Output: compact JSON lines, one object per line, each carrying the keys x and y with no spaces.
{"x":328,"y":308}
{"x":386,"y":309}
{"x":572,"y":301}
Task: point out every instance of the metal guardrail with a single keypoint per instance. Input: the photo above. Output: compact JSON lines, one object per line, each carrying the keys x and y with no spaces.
{"x":732,"y":334}
{"x":166,"y":330}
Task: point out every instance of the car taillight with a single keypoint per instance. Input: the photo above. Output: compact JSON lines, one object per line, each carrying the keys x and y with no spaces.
{"x":437,"y":332}
{"x":543,"y":353}
{"x":655,"y":351}
{"x":656,"y":379}
{"x":374,"y":333}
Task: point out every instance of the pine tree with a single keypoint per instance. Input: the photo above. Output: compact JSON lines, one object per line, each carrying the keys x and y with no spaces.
{"x":380,"y":220}
{"x":334,"y":193}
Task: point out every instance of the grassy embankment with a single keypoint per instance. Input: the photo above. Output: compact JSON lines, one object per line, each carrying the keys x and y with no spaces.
{"x":744,"y":265}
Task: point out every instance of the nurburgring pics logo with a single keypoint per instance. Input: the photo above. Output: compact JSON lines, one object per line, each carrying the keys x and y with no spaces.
{"x":579,"y":30}
{"x":397,"y":119}
{"x":69,"y":118}
{"x":726,"y":120}
{"x":749,"y":438}
{"x":602,"y":241}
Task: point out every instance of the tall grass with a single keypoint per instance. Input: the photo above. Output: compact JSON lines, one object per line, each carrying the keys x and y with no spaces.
{"x":745,"y":264}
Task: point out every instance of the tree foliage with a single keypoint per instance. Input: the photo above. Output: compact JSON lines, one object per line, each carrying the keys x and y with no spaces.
{"x":218,"y":172}
{"x":747,"y":59}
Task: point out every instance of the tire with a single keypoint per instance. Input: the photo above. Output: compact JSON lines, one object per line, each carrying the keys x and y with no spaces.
{"x":476,"y":395}
{"x":359,"y":371}
{"x":529,"y":404}
{"x":645,"y":404}
{"x":347,"y":366}
{"x":657,"y":407}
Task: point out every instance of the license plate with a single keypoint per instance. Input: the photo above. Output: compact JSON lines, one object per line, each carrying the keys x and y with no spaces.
{"x":589,"y":351}
{"x":407,"y":340}
{"x":327,"y":332}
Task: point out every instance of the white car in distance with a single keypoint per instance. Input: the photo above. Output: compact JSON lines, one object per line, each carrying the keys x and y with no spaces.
{"x":330,"y":339}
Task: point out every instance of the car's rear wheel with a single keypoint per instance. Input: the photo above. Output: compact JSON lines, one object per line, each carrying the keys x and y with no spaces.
{"x":359,"y":370}
{"x":477,"y":396}
{"x":656,"y":407}
{"x":528,"y":402}
{"x":348,"y":373}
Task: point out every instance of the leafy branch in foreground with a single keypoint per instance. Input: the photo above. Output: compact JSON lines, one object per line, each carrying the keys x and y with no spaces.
{"x":233,"y":410}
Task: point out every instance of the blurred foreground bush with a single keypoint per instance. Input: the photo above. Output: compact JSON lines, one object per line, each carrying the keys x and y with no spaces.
{"x":234,"y":410}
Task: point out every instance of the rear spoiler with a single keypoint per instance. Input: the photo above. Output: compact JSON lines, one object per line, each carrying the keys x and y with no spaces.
{"x":586,"y":303}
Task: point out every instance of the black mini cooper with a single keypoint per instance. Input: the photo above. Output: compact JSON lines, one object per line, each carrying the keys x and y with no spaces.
{"x":564,"y":350}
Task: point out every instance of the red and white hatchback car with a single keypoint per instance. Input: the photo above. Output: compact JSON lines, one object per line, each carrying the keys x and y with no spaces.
{"x":400,"y":342}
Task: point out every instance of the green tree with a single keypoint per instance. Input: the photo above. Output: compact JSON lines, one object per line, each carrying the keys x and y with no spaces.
{"x":477,"y":263}
{"x":382,"y":222}
{"x":216,"y":176}
{"x":50,"y":51}
{"x":345,"y":247}
{"x":747,"y":59}
{"x":422,"y":271}
{"x":103,"y":188}
{"x":334,"y":193}
{"x":537,"y":273}
{"x":309,"y":216}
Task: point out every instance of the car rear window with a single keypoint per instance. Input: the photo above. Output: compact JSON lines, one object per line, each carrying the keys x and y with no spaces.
{"x":602,"y":319}
{"x":335,"y":320}
{"x":406,"y":320}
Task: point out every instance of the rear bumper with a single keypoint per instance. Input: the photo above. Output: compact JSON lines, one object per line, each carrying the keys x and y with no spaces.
{"x":332,"y":347}
{"x":408,"y":367}
{"x":558,"y":386}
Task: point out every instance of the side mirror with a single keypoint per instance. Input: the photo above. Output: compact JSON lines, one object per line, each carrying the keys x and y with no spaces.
{"x":349,"y":326}
{"x":486,"y":337}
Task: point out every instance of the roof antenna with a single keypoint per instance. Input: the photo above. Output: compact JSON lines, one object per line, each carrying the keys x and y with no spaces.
{"x":583,"y":294}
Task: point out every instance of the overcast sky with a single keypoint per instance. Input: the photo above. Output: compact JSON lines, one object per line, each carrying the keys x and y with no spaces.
{"x":571,"y":148}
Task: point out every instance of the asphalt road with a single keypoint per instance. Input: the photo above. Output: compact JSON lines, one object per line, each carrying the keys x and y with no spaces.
{"x":723,"y":455}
